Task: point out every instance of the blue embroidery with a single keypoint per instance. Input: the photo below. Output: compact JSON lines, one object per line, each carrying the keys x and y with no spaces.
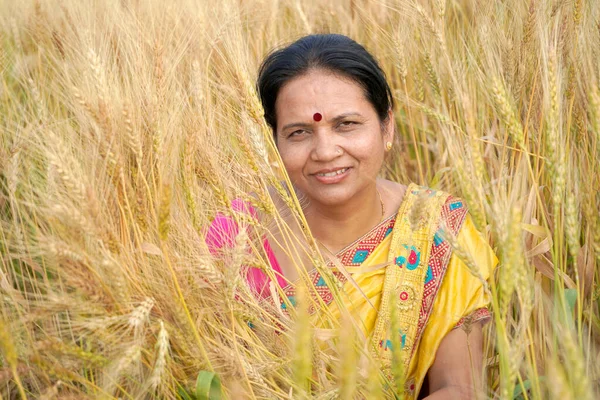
{"x":389,"y":345}
{"x":456,"y":205}
{"x":437,"y":238}
{"x":429,"y":275}
{"x":360,"y":256}
{"x":414,"y":258}
{"x":400,"y":261}
{"x":389,"y":230}
{"x":292,"y":301}
{"x":321,"y":282}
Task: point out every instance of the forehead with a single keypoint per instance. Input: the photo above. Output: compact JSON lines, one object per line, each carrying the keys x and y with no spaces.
{"x":320,"y":91}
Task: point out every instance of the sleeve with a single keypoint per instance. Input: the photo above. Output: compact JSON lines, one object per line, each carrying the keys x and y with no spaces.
{"x":223,"y":229}
{"x":469,"y":277}
{"x":221,"y":235}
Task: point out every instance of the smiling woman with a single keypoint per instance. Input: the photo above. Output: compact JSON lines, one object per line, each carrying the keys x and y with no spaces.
{"x":390,"y":245}
{"x":334,"y":161}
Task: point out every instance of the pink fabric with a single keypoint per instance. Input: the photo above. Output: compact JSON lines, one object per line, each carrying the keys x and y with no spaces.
{"x":222,"y":233}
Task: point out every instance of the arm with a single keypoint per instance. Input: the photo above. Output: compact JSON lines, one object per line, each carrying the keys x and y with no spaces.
{"x":456,"y":371}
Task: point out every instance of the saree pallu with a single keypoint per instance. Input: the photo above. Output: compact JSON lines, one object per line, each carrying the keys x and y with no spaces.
{"x":405,"y":265}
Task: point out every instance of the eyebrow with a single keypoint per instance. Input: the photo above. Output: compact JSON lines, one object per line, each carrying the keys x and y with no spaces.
{"x":295,"y":125}
{"x":346,"y":115}
{"x":336,"y":119}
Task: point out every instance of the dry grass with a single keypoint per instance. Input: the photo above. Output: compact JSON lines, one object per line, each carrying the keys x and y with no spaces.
{"x":126,"y":126}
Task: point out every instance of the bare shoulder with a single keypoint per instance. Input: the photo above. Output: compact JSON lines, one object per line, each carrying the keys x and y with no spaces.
{"x":392,"y":194}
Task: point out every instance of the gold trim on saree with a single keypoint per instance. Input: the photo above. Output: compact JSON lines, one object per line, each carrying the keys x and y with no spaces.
{"x":418,"y":259}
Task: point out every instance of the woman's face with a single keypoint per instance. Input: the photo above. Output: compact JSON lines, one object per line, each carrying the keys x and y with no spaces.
{"x":333,"y":158}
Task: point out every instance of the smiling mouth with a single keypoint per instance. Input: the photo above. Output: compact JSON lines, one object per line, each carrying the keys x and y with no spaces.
{"x":333,"y":173}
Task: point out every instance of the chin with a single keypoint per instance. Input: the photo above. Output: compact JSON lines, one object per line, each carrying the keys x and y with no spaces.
{"x":332,"y":199}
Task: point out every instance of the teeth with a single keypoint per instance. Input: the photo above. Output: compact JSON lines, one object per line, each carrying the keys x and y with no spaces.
{"x":334,"y":173}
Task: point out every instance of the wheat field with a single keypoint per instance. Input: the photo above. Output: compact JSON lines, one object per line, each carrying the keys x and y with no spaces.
{"x":128,"y":125}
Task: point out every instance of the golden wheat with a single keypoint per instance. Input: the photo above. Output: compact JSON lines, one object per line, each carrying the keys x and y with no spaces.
{"x":127,"y":126}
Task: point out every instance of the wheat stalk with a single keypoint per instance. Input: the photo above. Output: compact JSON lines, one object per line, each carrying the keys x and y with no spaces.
{"x":507,"y":113}
{"x":162,"y":351}
{"x":139,"y":316}
{"x":554,"y":149}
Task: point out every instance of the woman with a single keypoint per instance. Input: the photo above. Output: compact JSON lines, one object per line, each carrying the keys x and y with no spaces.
{"x":330,"y":108}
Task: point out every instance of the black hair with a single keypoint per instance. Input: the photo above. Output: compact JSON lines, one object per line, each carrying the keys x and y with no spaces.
{"x":332,"y":52}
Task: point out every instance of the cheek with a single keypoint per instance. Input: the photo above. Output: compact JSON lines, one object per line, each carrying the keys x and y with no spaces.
{"x":292,"y":159}
{"x":369,"y":148}
{"x":370,"y":153}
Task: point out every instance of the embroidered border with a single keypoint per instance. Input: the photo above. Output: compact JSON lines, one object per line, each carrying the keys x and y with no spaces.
{"x":415,"y":233}
{"x":453,"y":213}
{"x":481,"y":314}
{"x":352,"y":255}
{"x":356,"y":253}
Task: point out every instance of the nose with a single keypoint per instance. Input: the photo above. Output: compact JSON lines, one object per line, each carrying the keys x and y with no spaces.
{"x":325,"y":147}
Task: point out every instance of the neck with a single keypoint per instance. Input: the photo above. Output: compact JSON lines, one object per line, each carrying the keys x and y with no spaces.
{"x":339,"y":225}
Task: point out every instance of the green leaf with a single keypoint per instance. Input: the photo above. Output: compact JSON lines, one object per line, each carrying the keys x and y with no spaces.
{"x":571,"y":299}
{"x":183,"y":394}
{"x":518,"y":393}
{"x":208,"y":386}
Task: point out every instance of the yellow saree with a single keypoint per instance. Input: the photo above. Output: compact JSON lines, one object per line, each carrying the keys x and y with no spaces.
{"x":406,"y":265}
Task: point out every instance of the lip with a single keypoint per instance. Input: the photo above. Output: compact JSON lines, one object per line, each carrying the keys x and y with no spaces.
{"x":328,"y":180}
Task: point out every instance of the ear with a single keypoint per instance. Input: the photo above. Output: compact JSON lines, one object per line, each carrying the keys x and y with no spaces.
{"x":389,"y":127}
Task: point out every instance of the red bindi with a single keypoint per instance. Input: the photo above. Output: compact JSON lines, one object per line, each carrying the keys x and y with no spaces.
{"x":317,"y":117}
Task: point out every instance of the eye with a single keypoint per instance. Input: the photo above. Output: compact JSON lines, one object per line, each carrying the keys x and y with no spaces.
{"x":298,"y":132}
{"x":347,"y":124}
